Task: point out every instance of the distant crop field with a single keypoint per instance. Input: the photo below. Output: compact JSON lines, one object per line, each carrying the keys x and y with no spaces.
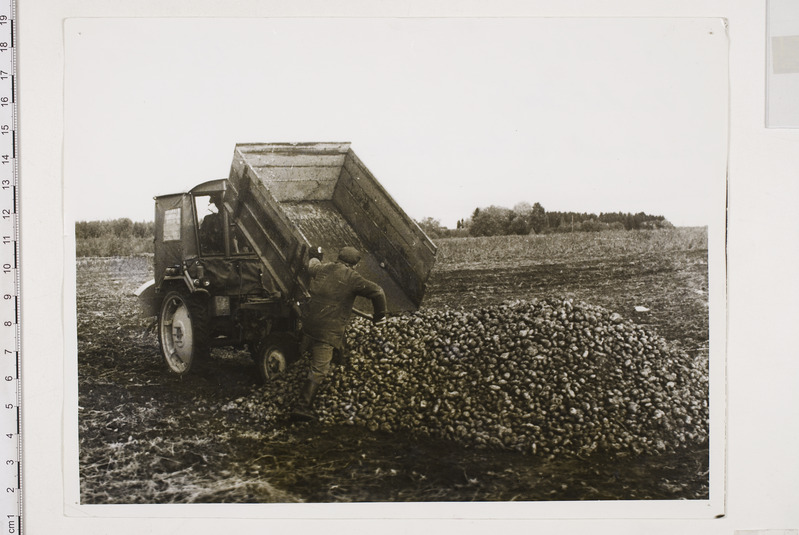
{"x":457,"y":253}
{"x":217,"y":435}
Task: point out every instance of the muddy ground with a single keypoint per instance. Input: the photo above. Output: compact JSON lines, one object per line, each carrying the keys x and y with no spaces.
{"x":147,"y":436}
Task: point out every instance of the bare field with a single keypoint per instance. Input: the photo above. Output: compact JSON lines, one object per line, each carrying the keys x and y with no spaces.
{"x":149,"y":437}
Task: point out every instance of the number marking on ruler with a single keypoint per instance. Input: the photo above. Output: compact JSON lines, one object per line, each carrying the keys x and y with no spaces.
{"x":10,"y":344}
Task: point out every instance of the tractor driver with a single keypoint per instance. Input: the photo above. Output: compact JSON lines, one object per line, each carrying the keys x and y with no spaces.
{"x":212,"y":228}
{"x":334,"y":287}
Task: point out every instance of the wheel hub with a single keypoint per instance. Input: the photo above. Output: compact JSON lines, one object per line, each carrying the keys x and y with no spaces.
{"x":177,"y":335}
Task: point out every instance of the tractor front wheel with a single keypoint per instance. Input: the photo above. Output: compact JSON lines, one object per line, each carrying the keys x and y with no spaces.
{"x":182,"y":331}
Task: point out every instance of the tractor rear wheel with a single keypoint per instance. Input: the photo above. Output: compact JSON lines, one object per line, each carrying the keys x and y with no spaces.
{"x":182,"y":331}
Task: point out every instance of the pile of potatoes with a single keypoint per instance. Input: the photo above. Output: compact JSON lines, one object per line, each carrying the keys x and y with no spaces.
{"x":547,"y":377}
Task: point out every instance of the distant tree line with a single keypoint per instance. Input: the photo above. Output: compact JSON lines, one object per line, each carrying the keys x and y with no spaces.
{"x":115,"y":237}
{"x":122,"y":228}
{"x":119,"y":237}
{"x":525,"y":219}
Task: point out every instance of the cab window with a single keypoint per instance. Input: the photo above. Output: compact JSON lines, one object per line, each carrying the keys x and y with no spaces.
{"x":212,"y":229}
{"x":210,"y":224}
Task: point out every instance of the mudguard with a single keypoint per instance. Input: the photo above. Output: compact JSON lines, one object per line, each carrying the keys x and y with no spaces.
{"x":149,"y":303}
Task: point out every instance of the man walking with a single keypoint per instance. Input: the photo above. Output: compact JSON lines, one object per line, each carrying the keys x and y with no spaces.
{"x":334,"y":287}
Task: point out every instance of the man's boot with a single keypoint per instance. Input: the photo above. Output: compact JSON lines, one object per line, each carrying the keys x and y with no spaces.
{"x":304,"y":408}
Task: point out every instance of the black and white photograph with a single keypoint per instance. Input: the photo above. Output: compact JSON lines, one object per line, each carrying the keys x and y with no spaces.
{"x":399,"y":267}
{"x":422,"y":260}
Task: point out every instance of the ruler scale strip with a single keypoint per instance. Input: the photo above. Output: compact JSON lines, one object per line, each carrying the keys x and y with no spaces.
{"x":10,"y":295}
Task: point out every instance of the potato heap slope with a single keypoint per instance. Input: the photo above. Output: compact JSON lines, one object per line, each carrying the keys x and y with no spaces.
{"x":544,"y":377}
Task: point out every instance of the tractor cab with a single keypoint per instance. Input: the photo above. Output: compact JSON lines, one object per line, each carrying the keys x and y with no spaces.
{"x":195,"y":225}
{"x":197,"y":240}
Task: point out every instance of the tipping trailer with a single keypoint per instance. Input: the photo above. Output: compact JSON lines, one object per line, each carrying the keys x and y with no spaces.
{"x":231,"y":255}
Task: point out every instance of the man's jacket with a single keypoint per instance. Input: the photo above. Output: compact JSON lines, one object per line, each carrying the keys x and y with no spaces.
{"x":334,"y":287}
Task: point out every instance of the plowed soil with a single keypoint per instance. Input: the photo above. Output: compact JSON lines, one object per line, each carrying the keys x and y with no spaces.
{"x":147,"y":436}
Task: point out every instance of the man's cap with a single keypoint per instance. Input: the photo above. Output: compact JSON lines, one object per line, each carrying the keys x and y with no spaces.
{"x":349,"y":255}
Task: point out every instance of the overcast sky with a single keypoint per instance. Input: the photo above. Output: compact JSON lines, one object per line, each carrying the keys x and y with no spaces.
{"x":588,"y":115}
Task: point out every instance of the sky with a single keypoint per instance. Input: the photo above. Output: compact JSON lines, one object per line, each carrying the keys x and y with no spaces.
{"x":585,"y":115}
